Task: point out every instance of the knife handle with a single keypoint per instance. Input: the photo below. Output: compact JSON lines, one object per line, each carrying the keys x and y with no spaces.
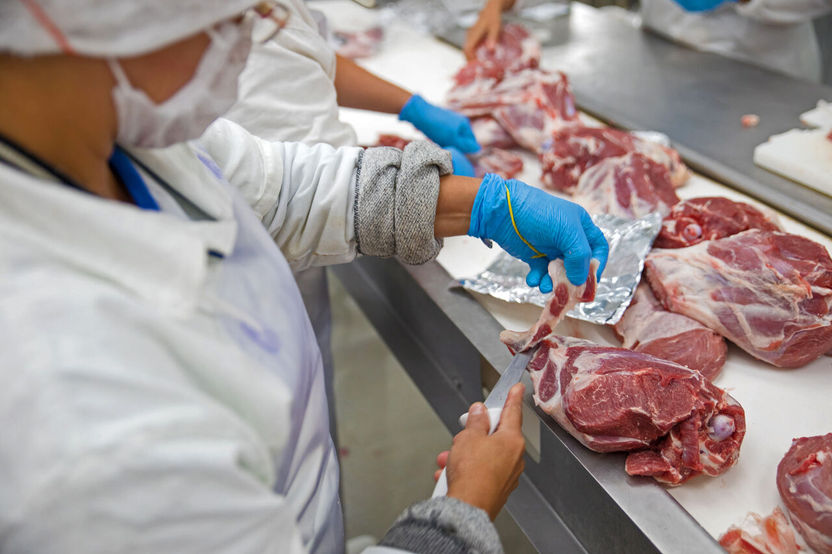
{"x":441,"y":488}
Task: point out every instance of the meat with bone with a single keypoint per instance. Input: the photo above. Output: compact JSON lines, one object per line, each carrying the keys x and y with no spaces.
{"x":491,"y":133}
{"x":631,"y":186}
{"x":575,"y":148}
{"x":771,"y":534}
{"x":495,"y":160}
{"x":394,"y":141}
{"x":708,"y":218}
{"x":804,"y":479}
{"x":648,"y":328}
{"x":613,"y":399}
{"x":768,"y":292}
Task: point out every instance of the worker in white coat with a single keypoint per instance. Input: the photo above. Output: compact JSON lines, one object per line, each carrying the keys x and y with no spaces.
{"x":291,"y":89}
{"x":776,"y":34}
{"x":162,"y":388}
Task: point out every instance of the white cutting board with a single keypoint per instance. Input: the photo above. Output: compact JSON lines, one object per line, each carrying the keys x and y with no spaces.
{"x":802,"y":155}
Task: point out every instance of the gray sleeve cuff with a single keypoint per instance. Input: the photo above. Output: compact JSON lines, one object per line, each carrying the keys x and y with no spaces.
{"x":444,"y":525}
{"x":395,"y":201}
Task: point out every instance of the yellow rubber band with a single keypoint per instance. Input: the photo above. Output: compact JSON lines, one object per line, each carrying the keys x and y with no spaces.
{"x":537,"y":252}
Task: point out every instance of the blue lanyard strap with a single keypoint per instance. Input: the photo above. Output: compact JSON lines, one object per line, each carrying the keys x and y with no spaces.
{"x":133,"y":182}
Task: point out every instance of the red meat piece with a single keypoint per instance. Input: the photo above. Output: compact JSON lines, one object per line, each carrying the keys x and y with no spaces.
{"x":768,"y":292}
{"x":761,"y":535}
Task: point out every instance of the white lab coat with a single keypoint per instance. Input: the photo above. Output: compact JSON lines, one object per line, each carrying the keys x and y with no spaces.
{"x":155,"y":398}
{"x":287,"y":91}
{"x":777,"y":34}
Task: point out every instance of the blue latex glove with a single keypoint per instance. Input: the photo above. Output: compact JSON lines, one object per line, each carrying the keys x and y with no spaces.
{"x":462,"y":166}
{"x":444,"y":127}
{"x":700,"y":5}
{"x":555,"y":228}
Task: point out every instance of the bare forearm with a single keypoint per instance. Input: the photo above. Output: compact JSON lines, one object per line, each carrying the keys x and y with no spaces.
{"x":358,"y":88}
{"x":454,"y":205}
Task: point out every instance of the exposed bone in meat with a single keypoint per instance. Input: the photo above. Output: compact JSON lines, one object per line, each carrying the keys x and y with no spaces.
{"x":573,"y":149}
{"x":708,"y":218}
{"x":804,"y":479}
{"x":648,"y":328}
{"x":761,"y":535}
{"x":768,"y":292}
{"x":631,"y":186}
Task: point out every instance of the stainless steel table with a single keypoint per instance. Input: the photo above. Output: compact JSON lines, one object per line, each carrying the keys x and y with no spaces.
{"x":571,"y":499}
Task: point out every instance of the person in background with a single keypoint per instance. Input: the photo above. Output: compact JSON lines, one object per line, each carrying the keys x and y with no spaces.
{"x":162,"y":385}
{"x":776,"y":34}
{"x":291,"y":90}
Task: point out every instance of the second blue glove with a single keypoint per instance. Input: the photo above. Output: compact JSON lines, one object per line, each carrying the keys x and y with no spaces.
{"x":444,"y":127}
{"x":536,"y":227}
{"x":700,"y":5}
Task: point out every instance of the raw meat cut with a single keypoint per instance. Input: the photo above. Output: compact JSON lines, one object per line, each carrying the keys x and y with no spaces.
{"x":631,"y":186}
{"x":613,"y":399}
{"x":495,"y":160}
{"x":490,"y":133}
{"x":648,"y":328}
{"x":360,"y":44}
{"x":563,"y":298}
{"x":392,"y":140}
{"x":516,"y":49}
{"x":750,"y":120}
{"x":709,"y":218}
{"x":761,"y":535}
{"x":768,"y":292}
{"x":529,"y":105}
{"x":575,"y":148}
{"x":804,"y":479}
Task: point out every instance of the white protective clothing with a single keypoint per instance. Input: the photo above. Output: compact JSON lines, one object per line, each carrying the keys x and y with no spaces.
{"x":119,"y":28}
{"x":170,"y":400}
{"x":777,"y":34}
{"x":287,"y":91}
{"x":206,"y":96}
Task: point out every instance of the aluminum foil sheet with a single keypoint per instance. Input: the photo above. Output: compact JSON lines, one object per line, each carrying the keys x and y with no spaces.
{"x":630,"y":241}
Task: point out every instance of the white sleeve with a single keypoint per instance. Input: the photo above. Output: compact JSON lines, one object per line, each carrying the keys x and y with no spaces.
{"x":305,"y":195}
{"x":784,"y":12}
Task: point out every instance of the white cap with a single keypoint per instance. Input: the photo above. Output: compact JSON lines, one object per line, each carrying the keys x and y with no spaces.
{"x":106,"y":28}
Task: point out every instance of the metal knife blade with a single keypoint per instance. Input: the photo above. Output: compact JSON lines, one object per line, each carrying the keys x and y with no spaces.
{"x":510,"y":377}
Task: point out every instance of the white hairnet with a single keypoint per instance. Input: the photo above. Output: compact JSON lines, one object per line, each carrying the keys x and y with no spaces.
{"x":107,"y":28}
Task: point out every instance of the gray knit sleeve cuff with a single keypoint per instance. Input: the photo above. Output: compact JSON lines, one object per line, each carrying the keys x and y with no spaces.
{"x":444,"y":525}
{"x":395,"y":201}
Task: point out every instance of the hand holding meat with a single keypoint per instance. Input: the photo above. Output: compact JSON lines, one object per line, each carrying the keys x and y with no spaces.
{"x":487,"y":27}
{"x":537,"y":227}
{"x":483,"y":469}
{"x":442,"y":126}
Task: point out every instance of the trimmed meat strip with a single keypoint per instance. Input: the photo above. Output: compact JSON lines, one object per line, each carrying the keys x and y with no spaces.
{"x":771,"y":534}
{"x":648,"y":328}
{"x":575,"y":148}
{"x":631,"y":186}
{"x":768,"y":292}
{"x":709,"y":218}
{"x":804,"y":480}
{"x":563,"y":298}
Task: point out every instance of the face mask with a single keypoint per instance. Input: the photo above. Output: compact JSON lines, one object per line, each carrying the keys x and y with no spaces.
{"x":185,"y":115}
